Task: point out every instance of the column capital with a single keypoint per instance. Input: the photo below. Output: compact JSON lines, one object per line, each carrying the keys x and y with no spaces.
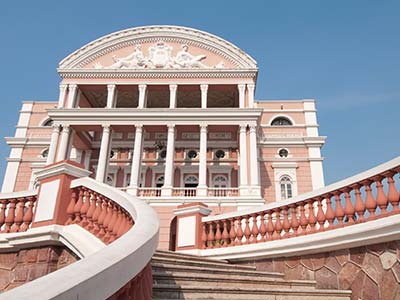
{"x":253,"y":127}
{"x":241,"y":87}
{"x":204,"y":87}
{"x":173,"y":87}
{"x":72,"y":86}
{"x":106,"y":126}
{"x":56,"y":127}
{"x":139,"y":127}
{"x":251,"y":86}
{"x":142,"y":86}
{"x":203,"y":127}
{"x":111,"y":86}
{"x":243,"y":127}
{"x":65,"y":126}
{"x":63,"y":86}
{"x":171,"y":127}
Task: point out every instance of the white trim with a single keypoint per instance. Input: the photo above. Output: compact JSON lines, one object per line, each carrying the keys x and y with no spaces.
{"x":368,"y":233}
{"x":77,"y":239}
{"x":62,"y":168}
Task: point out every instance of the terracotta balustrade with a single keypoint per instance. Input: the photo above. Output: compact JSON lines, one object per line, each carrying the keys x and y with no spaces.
{"x":16,"y":213}
{"x":357,"y":200}
{"x":184,"y":192}
{"x":98,"y":214}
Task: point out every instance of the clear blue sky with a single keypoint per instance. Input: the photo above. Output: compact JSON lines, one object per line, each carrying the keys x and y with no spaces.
{"x":345,"y":54}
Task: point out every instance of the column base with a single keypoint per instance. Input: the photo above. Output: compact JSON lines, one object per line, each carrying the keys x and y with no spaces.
{"x":166,"y":191}
{"x":255,"y":190}
{"x":131,"y":190}
{"x":202,"y":191}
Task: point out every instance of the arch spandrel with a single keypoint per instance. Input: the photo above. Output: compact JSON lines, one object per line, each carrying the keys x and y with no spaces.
{"x":161,"y":47}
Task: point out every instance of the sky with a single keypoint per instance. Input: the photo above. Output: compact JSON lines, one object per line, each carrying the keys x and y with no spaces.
{"x":345,"y":54}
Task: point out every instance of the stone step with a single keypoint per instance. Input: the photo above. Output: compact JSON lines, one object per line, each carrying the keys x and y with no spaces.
{"x":167,"y":291}
{"x":171,"y":268}
{"x":229,"y":280}
{"x":200,"y":263}
{"x":166,"y":253}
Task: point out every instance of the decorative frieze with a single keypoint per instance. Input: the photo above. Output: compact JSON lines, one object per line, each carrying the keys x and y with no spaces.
{"x":220,"y":135}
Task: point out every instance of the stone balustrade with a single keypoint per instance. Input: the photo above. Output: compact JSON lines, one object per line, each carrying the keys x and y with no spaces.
{"x":98,"y":214}
{"x":184,"y":192}
{"x":223,"y":192}
{"x":16,"y":211}
{"x":365,"y":197}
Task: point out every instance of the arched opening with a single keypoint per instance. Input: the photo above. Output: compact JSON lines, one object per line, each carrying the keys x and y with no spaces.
{"x":281,"y":121}
{"x":172,"y":235}
{"x":220,"y":181}
{"x":191,"y":181}
{"x":286,"y":187}
{"x":160,"y":181}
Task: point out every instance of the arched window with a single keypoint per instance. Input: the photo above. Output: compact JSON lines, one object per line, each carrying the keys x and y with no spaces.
{"x":45,"y":153}
{"x":160,"y":181}
{"x":191,"y":181}
{"x":281,"y":121}
{"x":220,"y":181}
{"x":286,"y":187}
{"x":48,"y":122}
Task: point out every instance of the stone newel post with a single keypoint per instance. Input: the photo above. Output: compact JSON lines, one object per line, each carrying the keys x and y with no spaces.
{"x":55,"y":192}
{"x":188,"y":225}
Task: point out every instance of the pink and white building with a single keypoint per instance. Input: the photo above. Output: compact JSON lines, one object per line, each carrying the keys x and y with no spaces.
{"x":169,"y":114}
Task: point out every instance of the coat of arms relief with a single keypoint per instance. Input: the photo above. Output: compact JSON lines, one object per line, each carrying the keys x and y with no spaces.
{"x":159,"y":57}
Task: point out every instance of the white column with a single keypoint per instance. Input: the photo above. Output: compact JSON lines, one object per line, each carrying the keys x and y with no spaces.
{"x":64,"y":143}
{"x":254,"y":164}
{"x":53,"y":145}
{"x":242,"y":93}
{"x":142,"y":95}
{"x":136,"y":159}
{"x":104,"y":152}
{"x":202,"y":187}
{"x":72,"y":91}
{"x":250,"y":91}
{"x":243,"y":158}
{"x":169,"y":162}
{"x":172,"y":95}
{"x":61,"y":98}
{"x":110,"y":95}
{"x":204,"y":89}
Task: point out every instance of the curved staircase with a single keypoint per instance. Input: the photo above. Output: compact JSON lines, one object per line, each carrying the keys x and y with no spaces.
{"x":181,"y":276}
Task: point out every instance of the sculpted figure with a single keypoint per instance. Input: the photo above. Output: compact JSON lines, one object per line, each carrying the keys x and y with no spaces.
{"x":132,"y":61}
{"x":186,"y":60}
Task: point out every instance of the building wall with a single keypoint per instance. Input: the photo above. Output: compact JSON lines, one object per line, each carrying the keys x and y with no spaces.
{"x":17,"y":268}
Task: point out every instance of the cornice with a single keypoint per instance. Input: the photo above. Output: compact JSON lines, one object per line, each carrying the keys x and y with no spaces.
{"x":156,"y":74}
{"x":138,"y":35}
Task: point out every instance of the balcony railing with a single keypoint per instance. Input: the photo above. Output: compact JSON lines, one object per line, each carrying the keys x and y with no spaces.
{"x":223,"y":192}
{"x":149,"y":192}
{"x":189,"y":192}
{"x":365,"y":197}
{"x":184,"y":192}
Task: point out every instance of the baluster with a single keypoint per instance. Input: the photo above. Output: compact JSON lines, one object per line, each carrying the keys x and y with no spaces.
{"x":303,"y":219}
{"x":286,"y":223}
{"x":330,"y":214}
{"x":312,"y":219}
{"x":218,"y":235}
{"x":270,"y":227}
{"x":239,"y":231}
{"x":320,"y":215}
{"x":254,"y":229}
{"x":70,"y":208}
{"x":107,"y":220}
{"x":263,"y":227}
{"x":2,"y":213}
{"x":97,"y":212}
{"x":10,"y":216}
{"x":360,"y":206}
{"x":117,"y":224}
{"x":247,"y":231}
{"x":91,"y":210}
{"x":393,"y":194}
{"x":225,"y":235}
{"x":278,"y":224}
{"x":232,"y":232}
{"x":85,"y":208}
{"x":370,"y":203}
{"x":381,"y":199}
{"x":78,"y":207}
{"x":19,"y":215}
{"x":102,"y":217}
{"x":211,"y":236}
{"x":294,"y":222}
{"x":349,"y":209}
{"x":339,"y":211}
{"x":204,"y":237}
{"x":27,"y":219}
{"x":123,"y":224}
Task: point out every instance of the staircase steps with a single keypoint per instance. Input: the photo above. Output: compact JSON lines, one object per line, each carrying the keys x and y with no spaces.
{"x":191,"y":277}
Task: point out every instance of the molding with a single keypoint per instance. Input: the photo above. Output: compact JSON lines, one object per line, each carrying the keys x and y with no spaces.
{"x":368,"y":233}
{"x":192,"y":210}
{"x":61,"y":168}
{"x":183,"y":35}
{"x":74,"y":237}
